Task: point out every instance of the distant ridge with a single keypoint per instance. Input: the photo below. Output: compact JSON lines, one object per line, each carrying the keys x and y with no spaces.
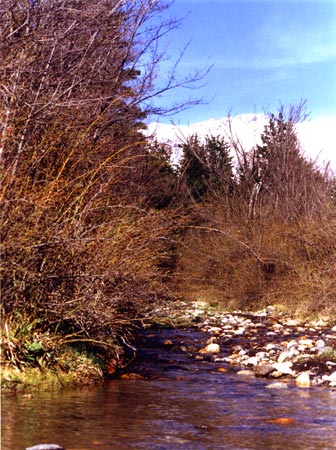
{"x":317,"y":136}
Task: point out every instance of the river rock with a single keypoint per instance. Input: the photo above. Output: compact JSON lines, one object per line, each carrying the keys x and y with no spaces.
{"x":331,"y":377}
{"x":252,"y":361}
{"x":284,"y":356}
{"x":263,"y":370}
{"x":215,"y":330}
{"x":270,"y":310}
{"x":303,"y":380}
{"x":239,"y":332}
{"x":292,"y":323}
{"x":306,"y":343}
{"x":271,"y":346}
{"x":246,"y":372}
{"x":320,"y":343}
{"x":277,"y":385}
{"x":292,"y":344}
{"x":276,"y":374}
{"x":46,"y":447}
{"x":284,"y":368}
{"x":211,"y":348}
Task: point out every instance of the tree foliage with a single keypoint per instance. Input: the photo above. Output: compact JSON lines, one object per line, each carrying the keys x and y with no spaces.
{"x":206,"y":167}
{"x":277,"y":177}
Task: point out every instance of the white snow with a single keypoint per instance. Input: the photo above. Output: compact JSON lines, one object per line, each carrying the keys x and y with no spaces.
{"x":317,"y":136}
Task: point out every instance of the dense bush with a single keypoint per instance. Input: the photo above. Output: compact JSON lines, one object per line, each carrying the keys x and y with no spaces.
{"x":83,"y":240}
{"x":273,"y":240}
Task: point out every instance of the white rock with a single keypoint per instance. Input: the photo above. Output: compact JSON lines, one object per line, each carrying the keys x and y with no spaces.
{"x":331,"y":377}
{"x":292,"y":322}
{"x":303,"y":380}
{"x":270,"y":346}
{"x":211,"y":340}
{"x":283,"y":356}
{"x":277,"y":385}
{"x":320,"y":343}
{"x":292,"y":343}
{"x":271,"y":333}
{"x":225,"y":359}
{"x":239,"y":332}
{"x":319,"y":323}
{"x":306,"y":342}
{"x":242,"y":352}
{"x":284,"y":368}
{"x":330,"y":336}
{"x":252,"y":361}
{"x":331,"y":363}
{"x":215,"y":330}
{"x":270,"y":310}
{"x":287,"y":332}
{"x":262,"y":355}
{"x":293,"y":352}
{"x":334,"y":328}
{"x":277,"y":327}
{"x":246,"y":372}
{"x":210,"y":348}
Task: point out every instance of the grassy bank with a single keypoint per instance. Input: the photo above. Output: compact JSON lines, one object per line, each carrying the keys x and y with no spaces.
{"x":73,"y":369}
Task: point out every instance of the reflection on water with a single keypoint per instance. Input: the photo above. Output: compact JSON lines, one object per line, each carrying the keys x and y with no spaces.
{"x":200,"y":410}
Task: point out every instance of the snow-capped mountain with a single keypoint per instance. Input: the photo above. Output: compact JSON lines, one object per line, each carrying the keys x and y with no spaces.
{"x":317,"y":136}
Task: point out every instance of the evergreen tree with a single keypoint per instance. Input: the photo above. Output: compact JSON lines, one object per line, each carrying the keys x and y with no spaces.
{"x":280,"y":178}
{"x":219,"y":163}
{"x":206,"y":167}
{"x":194,"y":170}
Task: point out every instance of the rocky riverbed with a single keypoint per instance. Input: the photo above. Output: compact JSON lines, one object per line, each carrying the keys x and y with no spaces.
{"x":262,"y":344}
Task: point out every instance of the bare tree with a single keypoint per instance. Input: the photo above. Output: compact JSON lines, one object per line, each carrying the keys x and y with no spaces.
{"x":77,"y":79}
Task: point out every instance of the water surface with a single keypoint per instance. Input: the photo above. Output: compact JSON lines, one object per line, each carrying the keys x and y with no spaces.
{"x":184,"y":404}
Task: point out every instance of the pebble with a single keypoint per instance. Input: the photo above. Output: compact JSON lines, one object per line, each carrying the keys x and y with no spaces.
{"x":292,"y":344}
{"x":239,"y":332}
{"x":331,"y":377}
{"x":263,"y":370}
{"x":211,"y":348}
{"x":283,"y":356}
{"x":306,"y":342}
{"x":320,"y":344}
{"x":285,"y":368}
{"x":272,"y":349}
{"x":277,"y":385}
{"x":252,"y":361}
{"x":46,"y":447}
{"x":248,"y":373}
{"x":303,"y":380}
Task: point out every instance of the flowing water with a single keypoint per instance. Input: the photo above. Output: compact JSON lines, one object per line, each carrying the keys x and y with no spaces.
{"x":182,"y":404}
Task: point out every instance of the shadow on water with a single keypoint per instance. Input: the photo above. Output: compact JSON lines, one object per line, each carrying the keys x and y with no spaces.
{"x":183,"y":404}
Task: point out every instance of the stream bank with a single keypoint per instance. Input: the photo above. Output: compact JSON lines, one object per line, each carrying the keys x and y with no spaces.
{"x":261,"y":344}
{"x":255,"y":344}
{"x":170,"y":398}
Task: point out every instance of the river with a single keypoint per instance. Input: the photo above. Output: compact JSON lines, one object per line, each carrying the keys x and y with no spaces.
{"x":182,"y":403}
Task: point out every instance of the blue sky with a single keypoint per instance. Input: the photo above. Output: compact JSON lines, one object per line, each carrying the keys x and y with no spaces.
{"x":263,"y":53}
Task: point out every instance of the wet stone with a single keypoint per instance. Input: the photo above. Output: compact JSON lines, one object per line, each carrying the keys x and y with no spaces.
{"x":247,"y":341}
{"x":263,"y":370}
